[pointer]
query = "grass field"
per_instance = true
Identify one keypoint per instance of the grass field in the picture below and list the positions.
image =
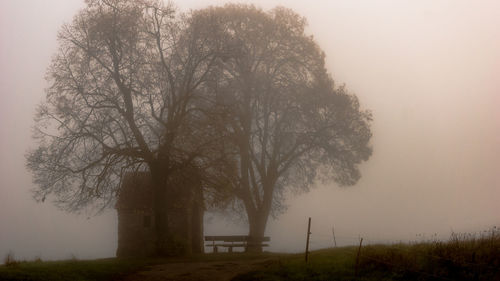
(102, 269)
(463, 257)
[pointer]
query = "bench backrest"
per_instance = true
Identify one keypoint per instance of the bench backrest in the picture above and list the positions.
(233, 238)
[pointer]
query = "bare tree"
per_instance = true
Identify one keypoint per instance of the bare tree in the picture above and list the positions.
(286, 123)
(123, 85)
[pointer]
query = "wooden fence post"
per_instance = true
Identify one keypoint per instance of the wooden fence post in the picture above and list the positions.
(307, 242)
(334, 241)
(357, 258)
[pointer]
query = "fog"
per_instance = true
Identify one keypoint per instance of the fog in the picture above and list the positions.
(428, 70)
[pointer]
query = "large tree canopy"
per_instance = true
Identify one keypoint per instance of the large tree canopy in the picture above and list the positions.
(288, 124)
(121, 96)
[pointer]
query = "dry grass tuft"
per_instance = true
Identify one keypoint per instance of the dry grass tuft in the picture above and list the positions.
(10, 260)
(464, 256)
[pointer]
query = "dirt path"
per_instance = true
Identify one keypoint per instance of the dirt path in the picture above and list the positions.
(202, 271)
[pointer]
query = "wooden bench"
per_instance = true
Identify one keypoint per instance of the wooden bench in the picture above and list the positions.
(230, 241)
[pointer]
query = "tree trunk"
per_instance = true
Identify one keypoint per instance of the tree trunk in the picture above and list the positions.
(160, 208)
(257, 219)
(197, 242)
(257, 227)
(177, 195)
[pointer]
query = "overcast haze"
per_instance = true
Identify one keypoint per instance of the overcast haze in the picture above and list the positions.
(428, 70)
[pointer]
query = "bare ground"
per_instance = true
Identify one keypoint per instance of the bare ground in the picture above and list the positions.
(202, 271)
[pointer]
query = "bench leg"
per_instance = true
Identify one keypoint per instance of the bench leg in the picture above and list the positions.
(230, 250)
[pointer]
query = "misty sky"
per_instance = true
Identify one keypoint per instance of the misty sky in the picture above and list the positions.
(428, 70)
